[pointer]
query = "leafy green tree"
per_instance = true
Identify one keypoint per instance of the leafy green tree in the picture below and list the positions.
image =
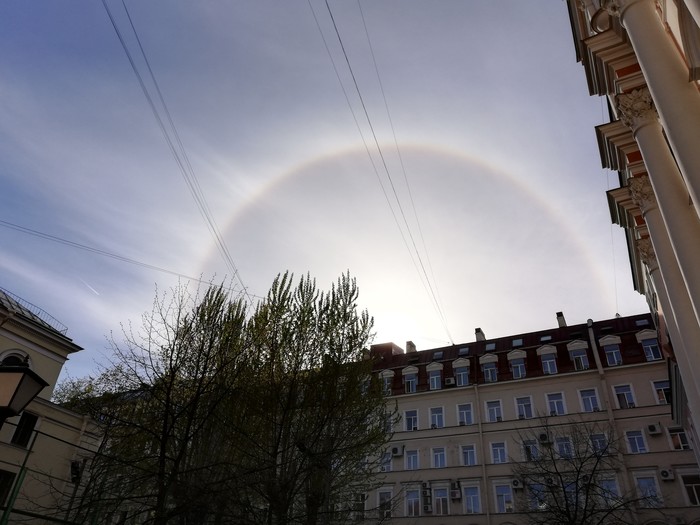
(213, 414)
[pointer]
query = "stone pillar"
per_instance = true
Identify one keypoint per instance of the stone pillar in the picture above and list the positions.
(675, 97)
(681, 221)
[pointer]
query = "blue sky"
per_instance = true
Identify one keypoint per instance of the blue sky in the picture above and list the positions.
(490, 111)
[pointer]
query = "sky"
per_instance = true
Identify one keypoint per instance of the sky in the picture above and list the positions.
(467, 160)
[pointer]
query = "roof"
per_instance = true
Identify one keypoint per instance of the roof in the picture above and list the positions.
(17, 305)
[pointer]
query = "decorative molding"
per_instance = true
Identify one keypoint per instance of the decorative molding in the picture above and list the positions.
(636, 108)
(642, 193)
(646, 253)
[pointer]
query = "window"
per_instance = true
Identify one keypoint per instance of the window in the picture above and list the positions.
(679, 440)
(462, 376)
(7, 479)
(472, 502)
(24, 429)
(440, 502)
(412, 460)
(589, 400)
(635, 442)
(498, 452)
(517, 342)
(437, 418)
(523, 407)
(537, 496)
(386, 385)
(385, 462)
(649, 490)
(580, 359)
(356, 508)
(412, 503)
(439, 460)
(555, 404)
(623, 394)
(464, 414)
(662, 389)
(437, 355)
(545, 338)
(599, 443)
(435, 377)
(464, 351)
(410, 382)
(530, 450)
(384, 504)
(411, 419)
(490, 372)
(609, 491)
(651, 349)
(549, 363)
(641, 322)
(612, 354)
(517, 367)
(468, 455)
(564, 447)
(493, 410)
(691, 484)
(504, 498)
(490, 347)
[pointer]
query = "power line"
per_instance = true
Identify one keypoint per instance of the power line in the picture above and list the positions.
(179, 153)
(422, 269)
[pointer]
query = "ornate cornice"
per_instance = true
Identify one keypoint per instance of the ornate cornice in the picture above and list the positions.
(647, 254)
(642, 193)
(636, 108)
(617, 7)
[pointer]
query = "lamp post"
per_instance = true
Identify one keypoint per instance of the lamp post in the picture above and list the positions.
(18, 386)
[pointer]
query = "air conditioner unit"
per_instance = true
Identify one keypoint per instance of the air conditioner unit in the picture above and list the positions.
(544, 438)
(428, 508)
(383, 469)
(397, 451)
(426, 493)
(456, 494)
(449, 381)
(425, 484)
(433, 426)
(654, 429)
(454, 485)
(516, 484)
(549, 481)
(667, 474)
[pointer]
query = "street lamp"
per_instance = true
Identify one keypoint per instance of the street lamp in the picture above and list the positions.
(18, 386)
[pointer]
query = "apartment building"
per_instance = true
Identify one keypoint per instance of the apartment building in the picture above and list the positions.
(470, 418)
(643, 56)
(42, 450)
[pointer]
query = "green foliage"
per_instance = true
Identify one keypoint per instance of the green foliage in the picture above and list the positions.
(216, 415)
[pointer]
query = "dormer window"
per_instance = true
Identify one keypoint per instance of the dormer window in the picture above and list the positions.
(490, 372)
(435, 378)
(580, 359)
(490, 347)
(464, 351)
(517, 342)
(437, 355)
(410, 382)
(651, 349)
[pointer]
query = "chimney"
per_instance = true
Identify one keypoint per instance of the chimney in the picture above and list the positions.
(410, 346)
(480, 335)
(560, 320)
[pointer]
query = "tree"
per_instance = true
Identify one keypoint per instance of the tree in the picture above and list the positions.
(216, 415)
(568, 476)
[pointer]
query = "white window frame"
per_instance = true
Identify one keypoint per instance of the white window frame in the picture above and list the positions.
(411, 383)
(657, 490)
(506, 497)
(584, 408)
(564, 443)
(629, 404)
(650, 346)
(437, 452)
(549, 364)
(529, 412)
(497, 414)
(579, 356)
(490, 372)
(665, 390)
(410, 455)
(406, 420)
(469, 412)
(437, 417)
(473, 509)
(639, 438)
(682, 441)
(613, 350)
(435, 379)
(469, 451)
(445, 498)
(384, 505)
(504, 456)
(418, 502)
(462, 376)
(531, 450)
(549, 404)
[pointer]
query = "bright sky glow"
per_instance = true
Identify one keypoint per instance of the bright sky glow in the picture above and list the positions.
(491, 115)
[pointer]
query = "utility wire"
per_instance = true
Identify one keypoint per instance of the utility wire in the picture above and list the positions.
(438, 301)
(179, 153)
(388, 174)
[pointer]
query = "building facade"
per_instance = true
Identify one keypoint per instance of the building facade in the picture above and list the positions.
(472, 419)
(43, 450)
(644, 57)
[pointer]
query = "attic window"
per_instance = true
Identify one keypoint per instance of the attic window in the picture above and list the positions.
(517, 342)
(464, 350)
(490, 346)
(545, 338)
(642, 322)
(437, 355)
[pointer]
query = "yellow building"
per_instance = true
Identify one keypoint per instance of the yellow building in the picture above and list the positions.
(644, 56)
(51, 442)
(472, 419)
